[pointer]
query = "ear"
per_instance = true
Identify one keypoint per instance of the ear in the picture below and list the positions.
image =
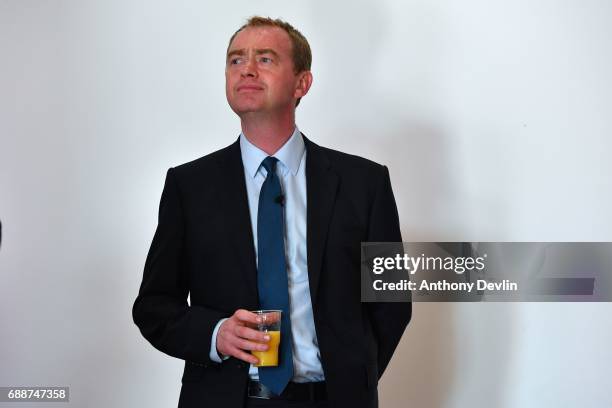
(303, 84)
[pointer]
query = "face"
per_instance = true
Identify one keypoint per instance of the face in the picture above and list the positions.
(259, 72)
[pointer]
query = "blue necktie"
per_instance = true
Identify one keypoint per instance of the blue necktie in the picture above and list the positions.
(272, 273)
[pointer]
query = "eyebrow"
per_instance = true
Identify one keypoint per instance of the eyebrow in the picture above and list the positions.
(258, 51)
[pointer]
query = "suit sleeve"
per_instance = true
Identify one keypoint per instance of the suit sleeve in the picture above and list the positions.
(388, 319)
(161, 311)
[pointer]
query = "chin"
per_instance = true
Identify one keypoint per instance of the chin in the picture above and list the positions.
(246, 106)
(241, 109)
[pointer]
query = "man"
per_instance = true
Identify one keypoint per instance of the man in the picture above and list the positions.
(271, 220)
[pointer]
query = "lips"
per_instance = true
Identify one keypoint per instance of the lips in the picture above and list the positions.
(249, 88)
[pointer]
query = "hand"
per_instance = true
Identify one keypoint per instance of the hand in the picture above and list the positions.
(234, 337)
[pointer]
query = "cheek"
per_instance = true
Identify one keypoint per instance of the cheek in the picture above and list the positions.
(230, 77)
(230, 84)
(228, 92)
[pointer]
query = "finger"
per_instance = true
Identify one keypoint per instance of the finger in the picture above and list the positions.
(251, 334)
(247, 317)
(244, 356)
(250, 345)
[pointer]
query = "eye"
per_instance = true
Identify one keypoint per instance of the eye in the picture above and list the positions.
(235, 61)
(266, 60)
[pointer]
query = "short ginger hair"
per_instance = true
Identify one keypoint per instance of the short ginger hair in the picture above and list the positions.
(302, 56)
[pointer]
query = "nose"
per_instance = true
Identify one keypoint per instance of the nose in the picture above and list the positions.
(249, 69)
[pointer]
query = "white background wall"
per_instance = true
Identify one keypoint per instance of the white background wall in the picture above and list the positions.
(494, 118)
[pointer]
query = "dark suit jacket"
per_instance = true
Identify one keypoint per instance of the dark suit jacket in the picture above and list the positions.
(204, 247)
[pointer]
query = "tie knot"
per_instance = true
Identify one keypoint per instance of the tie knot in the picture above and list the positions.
(269, 164)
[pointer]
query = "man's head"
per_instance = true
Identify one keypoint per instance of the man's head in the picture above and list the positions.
(267, 67)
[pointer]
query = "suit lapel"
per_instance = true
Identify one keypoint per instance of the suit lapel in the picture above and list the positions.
(239, 220)
(321, 189)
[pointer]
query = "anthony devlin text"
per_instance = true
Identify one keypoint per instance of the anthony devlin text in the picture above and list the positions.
(444, 285)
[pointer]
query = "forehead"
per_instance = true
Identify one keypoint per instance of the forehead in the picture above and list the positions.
(262, 37)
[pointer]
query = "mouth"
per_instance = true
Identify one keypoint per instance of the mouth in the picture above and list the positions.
(249, 88)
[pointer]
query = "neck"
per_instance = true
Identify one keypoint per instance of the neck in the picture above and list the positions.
(268, 134)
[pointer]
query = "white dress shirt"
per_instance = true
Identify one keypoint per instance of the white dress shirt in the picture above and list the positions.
(291, 170)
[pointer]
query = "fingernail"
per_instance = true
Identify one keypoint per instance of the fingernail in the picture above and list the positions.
(266, 338)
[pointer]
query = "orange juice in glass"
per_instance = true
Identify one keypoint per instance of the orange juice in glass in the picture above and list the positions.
(271, 325)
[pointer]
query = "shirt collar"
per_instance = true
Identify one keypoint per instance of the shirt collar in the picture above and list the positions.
(289, 155)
